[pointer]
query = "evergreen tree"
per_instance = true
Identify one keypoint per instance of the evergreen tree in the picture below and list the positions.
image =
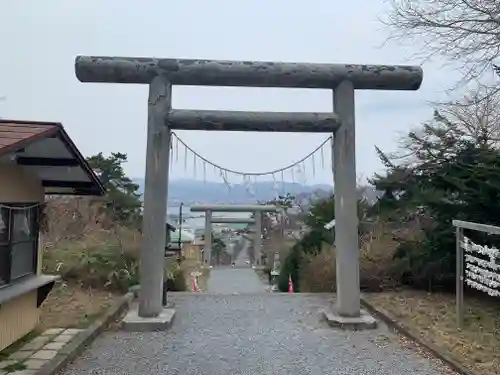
(450, 170)
(124, 204)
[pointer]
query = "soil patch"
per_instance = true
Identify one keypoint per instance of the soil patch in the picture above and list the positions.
(71, 306)
(476, 345)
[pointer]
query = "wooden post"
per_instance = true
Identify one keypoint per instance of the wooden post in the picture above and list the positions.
(155, 199)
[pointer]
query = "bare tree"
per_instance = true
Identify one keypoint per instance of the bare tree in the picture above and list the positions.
(474, 118)
(462, 31)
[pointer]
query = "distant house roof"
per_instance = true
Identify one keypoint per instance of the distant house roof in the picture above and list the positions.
(45, 149)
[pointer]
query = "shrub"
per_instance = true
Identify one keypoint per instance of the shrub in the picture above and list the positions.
(318, 271)
(91, 250)
(176, 282)
(290, 267)
(98, 260)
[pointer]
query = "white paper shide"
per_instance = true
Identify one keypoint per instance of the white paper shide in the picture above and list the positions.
(482, 272)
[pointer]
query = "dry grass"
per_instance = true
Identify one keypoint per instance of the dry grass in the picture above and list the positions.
(95, 258)
(476, 346)
(100, 259)
(84, 247)
(70, 305)
(318, 273)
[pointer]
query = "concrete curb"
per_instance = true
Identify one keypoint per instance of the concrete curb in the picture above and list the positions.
(392, 322)
(83, 339)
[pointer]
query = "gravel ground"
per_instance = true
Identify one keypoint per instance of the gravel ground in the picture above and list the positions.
(228, 280)
(239, 280)
(250, 334)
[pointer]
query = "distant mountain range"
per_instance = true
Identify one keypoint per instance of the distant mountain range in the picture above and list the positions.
(193, 191)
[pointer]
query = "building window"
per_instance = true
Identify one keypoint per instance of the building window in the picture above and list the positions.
(18, 240)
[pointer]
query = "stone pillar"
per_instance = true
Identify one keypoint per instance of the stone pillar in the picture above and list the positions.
(276, 261)
(208, 237)
(346, 200)
(257, 243)
(155, 199)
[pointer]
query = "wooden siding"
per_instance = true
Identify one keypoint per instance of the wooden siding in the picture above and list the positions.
(18, 317)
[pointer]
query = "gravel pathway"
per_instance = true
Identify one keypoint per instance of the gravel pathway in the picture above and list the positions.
(239, 280)
(228, 280)
(265, 334)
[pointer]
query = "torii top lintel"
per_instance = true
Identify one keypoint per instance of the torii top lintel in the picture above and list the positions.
(247, 73)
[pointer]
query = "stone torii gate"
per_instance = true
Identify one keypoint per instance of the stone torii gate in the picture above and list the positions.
(258, 210)
(161, 74)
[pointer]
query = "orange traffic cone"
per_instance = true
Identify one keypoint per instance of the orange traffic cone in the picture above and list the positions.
(290, 284)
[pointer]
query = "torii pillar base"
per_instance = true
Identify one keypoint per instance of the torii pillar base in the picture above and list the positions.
(357, 323)
(132, 322)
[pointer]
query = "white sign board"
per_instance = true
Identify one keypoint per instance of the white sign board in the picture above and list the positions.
(482, 267)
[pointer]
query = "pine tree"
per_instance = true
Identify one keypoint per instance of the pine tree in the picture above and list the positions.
(124, 204)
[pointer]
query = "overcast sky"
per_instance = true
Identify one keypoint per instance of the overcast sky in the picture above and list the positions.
(40, 40)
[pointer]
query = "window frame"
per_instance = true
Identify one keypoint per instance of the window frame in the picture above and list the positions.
(6, 248)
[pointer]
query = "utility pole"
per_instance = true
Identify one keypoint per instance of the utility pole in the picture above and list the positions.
(180, 222)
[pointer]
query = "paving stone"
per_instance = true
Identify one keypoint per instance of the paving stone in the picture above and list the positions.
(54, 346)
(20, 355)
(53, 331)
(44, 354)
(72, 331)
(63, 338)
(36, 343)
(23, 372)
(7, 362)
(34, 364)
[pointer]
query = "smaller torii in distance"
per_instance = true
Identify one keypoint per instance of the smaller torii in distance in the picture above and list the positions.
(232, 220)
(257, 209)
